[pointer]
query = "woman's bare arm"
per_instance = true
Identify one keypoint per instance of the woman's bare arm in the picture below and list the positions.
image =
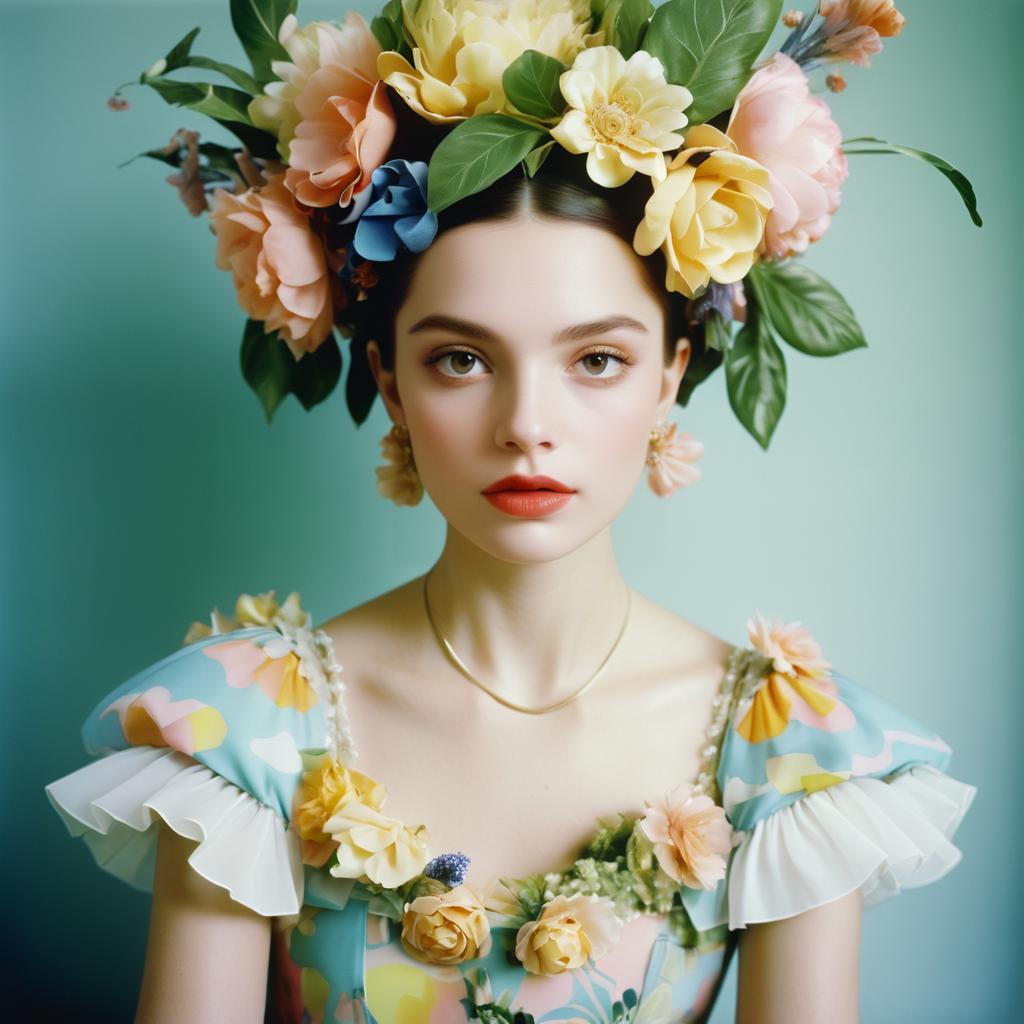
(802, 969)
(207, 956)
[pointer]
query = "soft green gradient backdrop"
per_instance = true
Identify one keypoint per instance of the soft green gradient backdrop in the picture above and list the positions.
(142, 484)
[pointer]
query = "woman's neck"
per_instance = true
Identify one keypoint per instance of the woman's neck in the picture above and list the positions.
(532, 633)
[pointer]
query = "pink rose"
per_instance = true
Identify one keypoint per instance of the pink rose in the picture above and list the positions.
(346, 124)
(779, 124)
(691, 837)
(279, 265)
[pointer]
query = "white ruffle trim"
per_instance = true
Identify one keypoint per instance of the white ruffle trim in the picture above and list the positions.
(244, 845)
(862, 833)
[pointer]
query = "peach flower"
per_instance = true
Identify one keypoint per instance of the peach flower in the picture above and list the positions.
(279, 266)
(346, 124)
(777, 122)
(569, 931)
(853, 28)
(793, 650)
(691, 837)
(324, 790)
(398, 478)
(670, 459)
(446, 928)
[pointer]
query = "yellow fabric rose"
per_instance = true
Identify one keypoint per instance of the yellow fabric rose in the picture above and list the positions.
(461, 49)
(375, 847)
(447, 928)
(708, 214)
(569, 931)
(624, 114)
(323, 792)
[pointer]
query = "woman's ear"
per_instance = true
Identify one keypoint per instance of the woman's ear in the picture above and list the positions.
(672, 377)
(387, 383)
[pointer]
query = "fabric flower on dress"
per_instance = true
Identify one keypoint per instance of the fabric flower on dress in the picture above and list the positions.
(853, 28)
(692, 837)
(624, 114)
(373, 846)
(324, 790)
(278, 263)
(799, 687)
(397, 215)
(569, 931)
(670, 459)
(461, 49)
(778, 123)
(708, 213)
(346, 123)
(447, 928)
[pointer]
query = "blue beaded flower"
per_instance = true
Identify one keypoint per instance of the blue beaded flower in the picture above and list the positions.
(449, 868)
(397, 213)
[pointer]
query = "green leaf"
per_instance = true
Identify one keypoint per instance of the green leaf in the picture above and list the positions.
(220, 102)
(388, 28)
(536, 157)
(316, 374)
(710, 47)
(704, 360)
(256, 23)
(805, 309)
(716, 332)
(624, 23)
(755, 375)
(360, 387)
(475, 154)
(959, 180)
(531, 83)
(266, 366)
(179, 56)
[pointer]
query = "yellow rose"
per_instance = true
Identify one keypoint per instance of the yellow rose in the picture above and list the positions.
(461, 49)
(623, 114)
(569, 931)
(447, 928)
(708, 214)
(375, 847)
(323, 792)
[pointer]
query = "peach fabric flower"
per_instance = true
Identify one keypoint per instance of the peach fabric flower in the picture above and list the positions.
(793, 650)
(707, 214)
(569, 931)
(777, 122)
(446, 928)
(691, 837)
(324, 790)
(670, 459)
(398, 478)
(279, 267)
(346, 124)
(853, 28)
(374, 846)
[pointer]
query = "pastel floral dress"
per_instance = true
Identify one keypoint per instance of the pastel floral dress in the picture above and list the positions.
(811, 786)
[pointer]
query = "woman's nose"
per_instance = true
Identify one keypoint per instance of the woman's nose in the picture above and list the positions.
(528, 411)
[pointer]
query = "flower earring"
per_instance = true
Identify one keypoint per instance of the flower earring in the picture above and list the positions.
(398, 480)
(670, 459)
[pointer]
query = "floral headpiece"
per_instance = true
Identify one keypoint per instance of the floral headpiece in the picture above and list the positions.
(354, 137)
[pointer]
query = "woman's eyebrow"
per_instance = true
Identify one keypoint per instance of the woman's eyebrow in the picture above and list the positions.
(470, 329)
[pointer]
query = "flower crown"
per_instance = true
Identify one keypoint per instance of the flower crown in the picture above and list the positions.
(354, 137)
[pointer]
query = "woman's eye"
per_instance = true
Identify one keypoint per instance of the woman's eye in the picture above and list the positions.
(460, 363)
(595, 363)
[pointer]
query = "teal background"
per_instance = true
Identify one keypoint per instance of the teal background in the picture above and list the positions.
(142, 485)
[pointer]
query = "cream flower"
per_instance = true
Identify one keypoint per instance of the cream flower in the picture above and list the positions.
(278, 264)
(446, 928)
(776, 122)
(324, 791)
(461, 49)
(708, 214)
(793, 650)
(310, 47)
(376, 847)
(670, 458)
(691, 837)
(624, 114)
(252, 610)
(570, 930)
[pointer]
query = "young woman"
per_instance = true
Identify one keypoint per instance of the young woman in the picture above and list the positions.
(508, 698)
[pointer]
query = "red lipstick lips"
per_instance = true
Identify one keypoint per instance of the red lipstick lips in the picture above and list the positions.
(528, 497)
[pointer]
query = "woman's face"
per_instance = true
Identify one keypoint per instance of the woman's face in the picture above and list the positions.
(529, 347)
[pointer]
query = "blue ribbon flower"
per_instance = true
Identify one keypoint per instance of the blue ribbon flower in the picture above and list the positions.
(397, 213)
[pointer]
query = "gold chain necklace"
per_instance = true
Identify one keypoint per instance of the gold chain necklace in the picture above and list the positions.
(457, 662)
